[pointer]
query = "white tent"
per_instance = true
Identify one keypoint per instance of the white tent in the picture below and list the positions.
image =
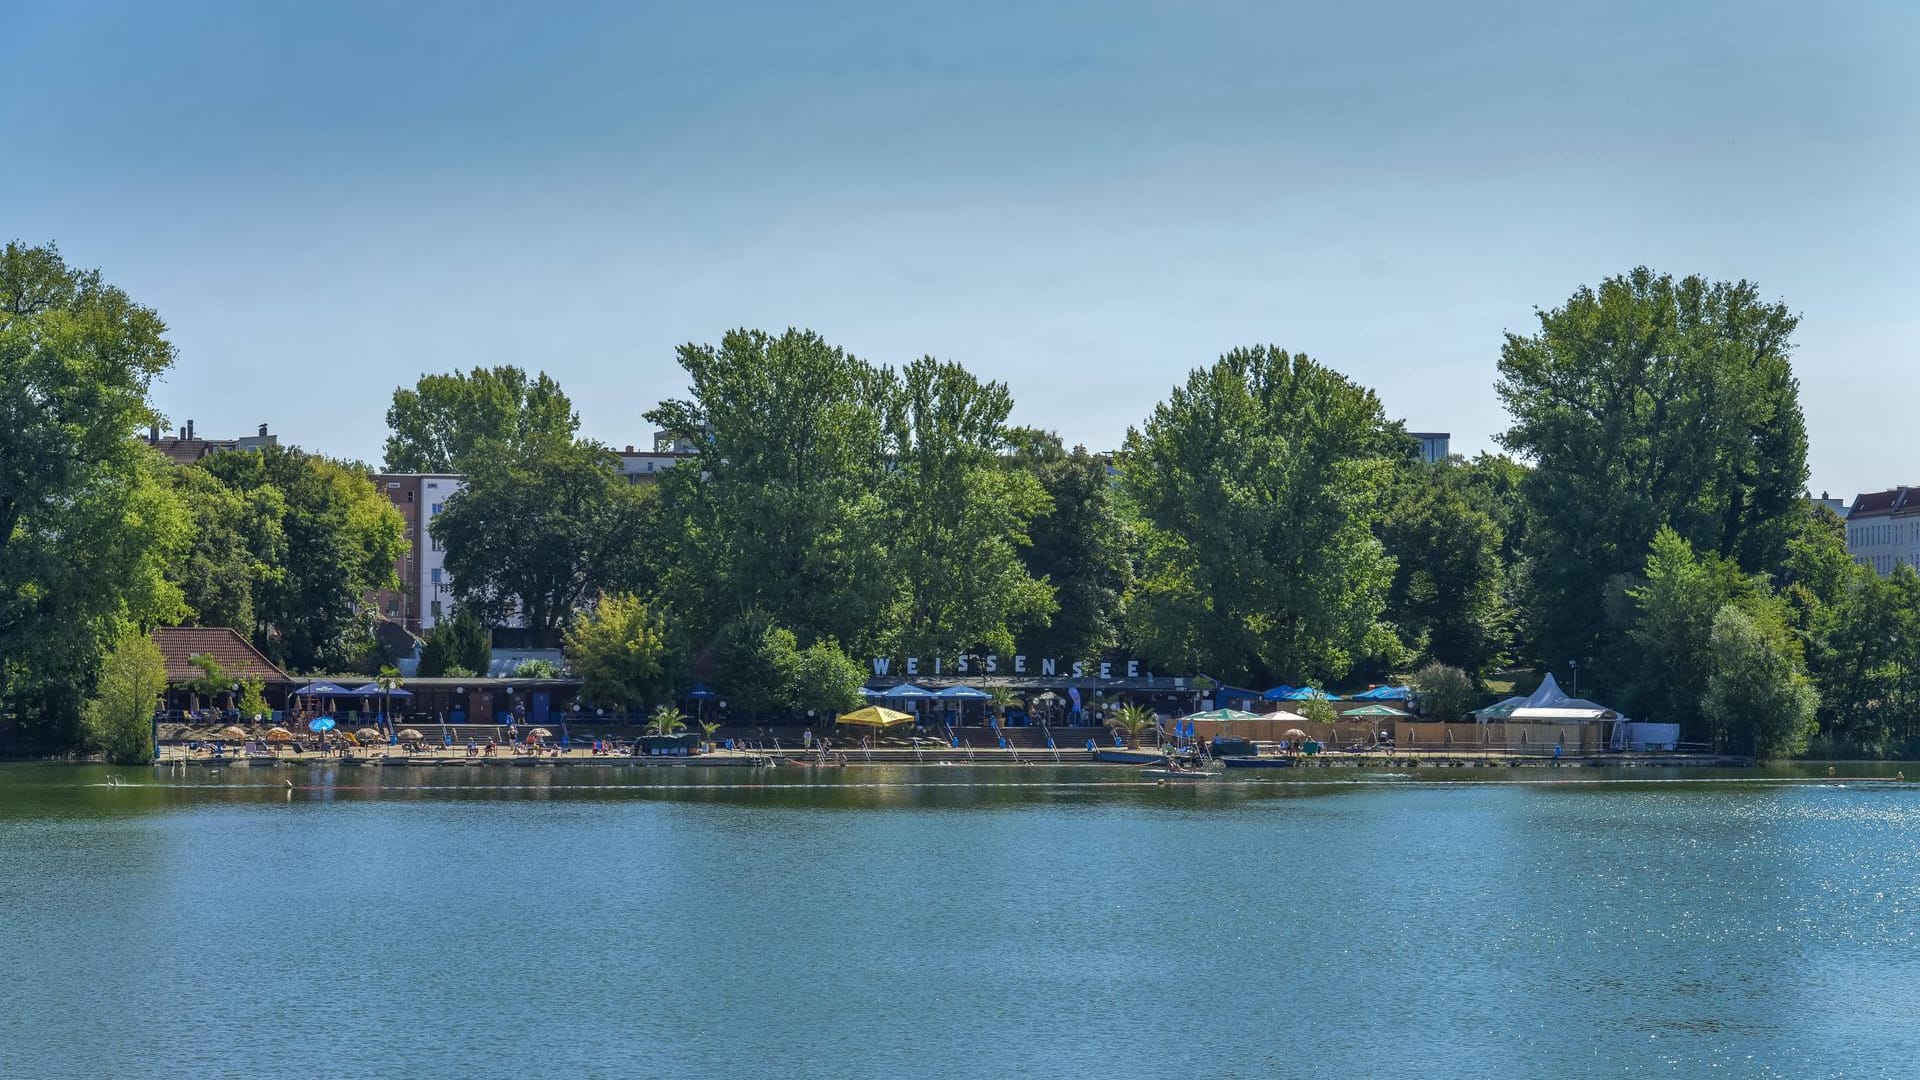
(1550, 705)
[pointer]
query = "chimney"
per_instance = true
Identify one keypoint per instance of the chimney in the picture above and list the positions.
(153, 434)
(263, 431)
(189, 429)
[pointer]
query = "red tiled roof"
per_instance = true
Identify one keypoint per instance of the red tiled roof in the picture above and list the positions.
(180, 644)
(1900, 500)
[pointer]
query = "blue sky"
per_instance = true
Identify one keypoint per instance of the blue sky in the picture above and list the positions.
(1082, 199)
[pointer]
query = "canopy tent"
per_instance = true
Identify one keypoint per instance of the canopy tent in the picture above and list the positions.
(906, 692)
(963, 693)
(374, 690)
(1283, 715)
(322, 688)
(1385, 693)
(871, 694)
(1308, 693)
(1550, 704)
(1499, 709)
(1374, 710)
(1278, 693)
(699, 693)
(874, 716)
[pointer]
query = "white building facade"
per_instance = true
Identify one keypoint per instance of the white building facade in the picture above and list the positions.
(1883, 529)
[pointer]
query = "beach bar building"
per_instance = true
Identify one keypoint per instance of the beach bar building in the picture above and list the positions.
(180, 645)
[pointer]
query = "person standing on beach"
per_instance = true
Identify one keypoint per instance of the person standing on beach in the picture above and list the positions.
(806, 738)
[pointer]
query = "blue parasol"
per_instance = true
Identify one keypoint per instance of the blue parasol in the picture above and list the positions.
(319, 724)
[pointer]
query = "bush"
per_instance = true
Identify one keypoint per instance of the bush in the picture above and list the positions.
(1445, 692)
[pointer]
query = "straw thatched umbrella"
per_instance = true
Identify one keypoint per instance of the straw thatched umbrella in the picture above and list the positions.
(231, 732)
(411, 734)
(366, 734)
(279, 734)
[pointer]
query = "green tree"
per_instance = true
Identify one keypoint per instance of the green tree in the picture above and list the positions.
(1082, 546)
(119, 716)
(1757, 698)
(535, 668)
(236, 549)
(1448, 597)
(457, 646)
(783, 514)
(1674, 610)
(1445, 692)
(1866, 658)
(214, 680)
(338, 537)
(956, 518)
(88, 526)
(1319, 709)
(447, 423)
(253, 697)
(1260, 482)
(621, 651)
(1649, 403)
(826, 680)
(532, 535)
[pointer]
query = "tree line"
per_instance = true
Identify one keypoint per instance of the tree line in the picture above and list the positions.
(1265, 523)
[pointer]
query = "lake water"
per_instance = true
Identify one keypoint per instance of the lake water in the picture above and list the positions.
(955, 922)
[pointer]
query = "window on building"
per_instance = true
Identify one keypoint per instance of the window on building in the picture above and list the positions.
(393, 608)
(436, 609)
(436, 575)
(435, 543)
(434, 509)
(409, 496)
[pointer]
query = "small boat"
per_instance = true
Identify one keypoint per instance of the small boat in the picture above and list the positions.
(1178, 774)
(1258, 762)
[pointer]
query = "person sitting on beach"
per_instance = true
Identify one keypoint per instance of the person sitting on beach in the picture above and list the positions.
(472, 750)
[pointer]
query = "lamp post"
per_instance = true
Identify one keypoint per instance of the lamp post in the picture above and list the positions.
(1573, 667)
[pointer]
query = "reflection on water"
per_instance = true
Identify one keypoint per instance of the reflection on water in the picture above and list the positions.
(956, 921)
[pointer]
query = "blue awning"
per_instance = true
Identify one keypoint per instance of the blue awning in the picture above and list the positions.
(373, 690)
(906, 692)
(322, 688)
(700, 692)
(1307, 693)
(1385, 693)
(1278, 693)
(963, 693)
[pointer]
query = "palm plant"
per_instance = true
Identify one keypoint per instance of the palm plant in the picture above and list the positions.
(666, 720)
(707, 728)
(1133, 719)
(998, 698)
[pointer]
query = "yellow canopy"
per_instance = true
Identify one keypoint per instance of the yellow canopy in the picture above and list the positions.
(875, 717)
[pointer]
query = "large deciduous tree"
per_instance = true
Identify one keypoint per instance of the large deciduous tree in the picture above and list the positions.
(88, 524)
(782, 514)
(1260, 481)
(446, 422)
(1649, 402)
(1448, 599)
(535, 532)
(956, 518)
(1757, 699)
(338, 536)
(1082, 546)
